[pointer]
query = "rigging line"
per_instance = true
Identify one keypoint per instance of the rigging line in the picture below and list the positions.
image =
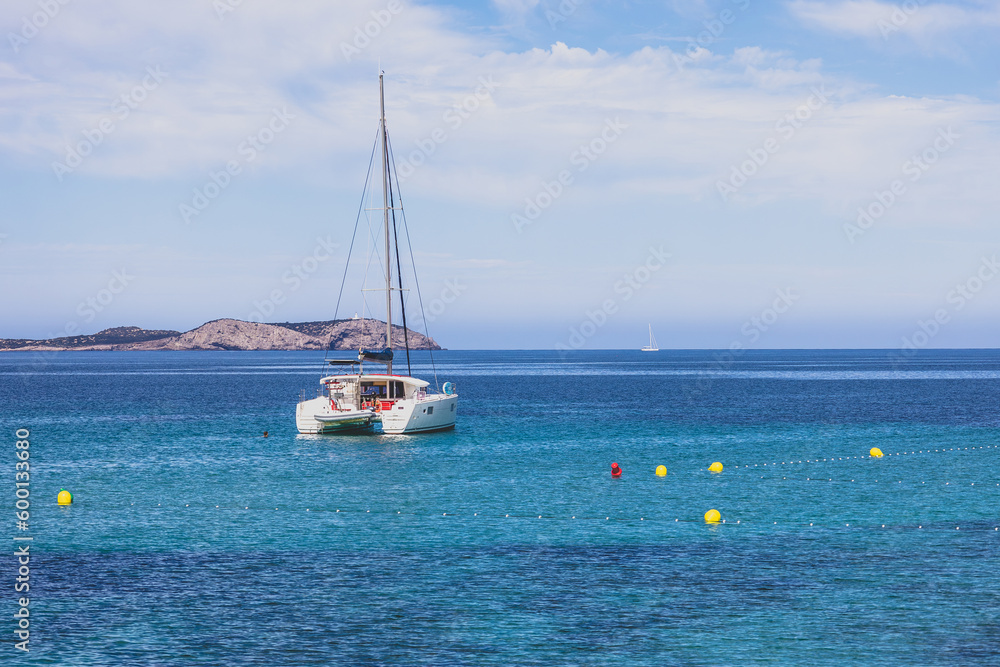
(399, 269)
(416, 281)
(373, 241)
(371, 238)
(347, 264)
(369, 254)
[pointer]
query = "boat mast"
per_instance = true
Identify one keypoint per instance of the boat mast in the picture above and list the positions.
(385, 223)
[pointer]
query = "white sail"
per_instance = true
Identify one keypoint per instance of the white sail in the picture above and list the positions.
(652, 342)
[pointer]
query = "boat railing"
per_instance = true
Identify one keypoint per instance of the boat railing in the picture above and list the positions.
(302, 394)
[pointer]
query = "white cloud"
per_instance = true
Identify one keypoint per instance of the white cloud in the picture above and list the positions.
(921, 22)
(225, 77)
(689, 121)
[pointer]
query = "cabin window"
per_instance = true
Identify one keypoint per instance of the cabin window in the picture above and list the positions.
(369, 389)
(452, 407)
(430, 409)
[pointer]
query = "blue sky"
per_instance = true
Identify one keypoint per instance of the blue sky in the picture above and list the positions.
(797, 173)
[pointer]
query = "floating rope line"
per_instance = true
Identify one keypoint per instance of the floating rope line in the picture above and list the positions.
(652, 520)
(644, 519)
(861, 457)
(868, 481)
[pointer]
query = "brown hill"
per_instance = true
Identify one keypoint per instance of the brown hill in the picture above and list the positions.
(229, 334)
(361, 333)
(115, 336)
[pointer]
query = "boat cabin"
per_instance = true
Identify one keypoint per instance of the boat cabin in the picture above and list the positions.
(372, 391)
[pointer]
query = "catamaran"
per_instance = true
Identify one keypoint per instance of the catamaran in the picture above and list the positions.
(358, 400)
(652, 342)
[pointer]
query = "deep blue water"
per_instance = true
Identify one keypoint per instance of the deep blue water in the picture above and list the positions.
(193, 540)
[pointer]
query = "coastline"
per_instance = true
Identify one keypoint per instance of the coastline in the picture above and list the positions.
(230, 334)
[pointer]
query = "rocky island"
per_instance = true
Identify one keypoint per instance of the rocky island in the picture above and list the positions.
(229, 334)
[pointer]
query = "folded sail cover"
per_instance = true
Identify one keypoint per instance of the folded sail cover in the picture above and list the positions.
(377, 355)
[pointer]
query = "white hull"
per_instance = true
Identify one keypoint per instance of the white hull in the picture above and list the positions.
(435, 412)
(358, 402)
(319, 416)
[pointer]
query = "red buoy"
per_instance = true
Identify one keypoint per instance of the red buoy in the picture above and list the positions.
(615, 470)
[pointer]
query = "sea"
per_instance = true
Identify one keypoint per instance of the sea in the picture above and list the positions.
(192, 539)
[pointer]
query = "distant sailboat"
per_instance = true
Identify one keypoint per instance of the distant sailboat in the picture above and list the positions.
(652, 342)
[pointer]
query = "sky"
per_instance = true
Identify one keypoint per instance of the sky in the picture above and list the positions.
(734, 173)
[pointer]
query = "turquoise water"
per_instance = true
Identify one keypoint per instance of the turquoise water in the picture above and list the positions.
(194, 540)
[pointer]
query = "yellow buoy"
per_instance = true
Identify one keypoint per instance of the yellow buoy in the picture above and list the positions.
(661, 471)
(64, 497)
(712, 516)
(715, 467)
(876, 452)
